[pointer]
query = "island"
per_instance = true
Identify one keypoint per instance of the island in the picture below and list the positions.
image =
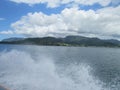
(66, 41)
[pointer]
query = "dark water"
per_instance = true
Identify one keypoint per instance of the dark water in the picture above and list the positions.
(59, 68)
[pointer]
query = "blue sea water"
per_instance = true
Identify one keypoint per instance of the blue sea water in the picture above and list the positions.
(30, 67)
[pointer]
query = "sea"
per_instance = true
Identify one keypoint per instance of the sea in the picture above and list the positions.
(31, 67)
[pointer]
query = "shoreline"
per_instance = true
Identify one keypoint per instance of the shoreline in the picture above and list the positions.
(61, 45)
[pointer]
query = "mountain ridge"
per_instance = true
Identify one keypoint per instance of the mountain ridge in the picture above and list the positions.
(66, 41)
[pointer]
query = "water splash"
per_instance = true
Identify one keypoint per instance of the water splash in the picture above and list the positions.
(20, 71)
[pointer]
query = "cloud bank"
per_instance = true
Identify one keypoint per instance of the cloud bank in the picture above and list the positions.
(56, 3)
(71, 21)
(102, 23)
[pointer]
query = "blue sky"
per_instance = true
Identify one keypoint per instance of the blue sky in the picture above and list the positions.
(12, 11)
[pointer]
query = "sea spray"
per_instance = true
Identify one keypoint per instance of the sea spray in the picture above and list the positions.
(19, 71)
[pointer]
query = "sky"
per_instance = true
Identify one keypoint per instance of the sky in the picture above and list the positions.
(60, 18)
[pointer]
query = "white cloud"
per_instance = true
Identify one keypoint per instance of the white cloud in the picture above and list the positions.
(71, 21)
(2, 19)
(6, 32)
(56, 3)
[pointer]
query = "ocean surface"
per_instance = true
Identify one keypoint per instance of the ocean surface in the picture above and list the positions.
(30, 67)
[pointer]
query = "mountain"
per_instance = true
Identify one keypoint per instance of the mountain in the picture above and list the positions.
(113, 41)
(12, 39)
(67, 41)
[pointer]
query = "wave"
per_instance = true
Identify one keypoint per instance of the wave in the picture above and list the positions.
(20, 71)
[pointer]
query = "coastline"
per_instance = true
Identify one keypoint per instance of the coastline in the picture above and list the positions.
(60, 45)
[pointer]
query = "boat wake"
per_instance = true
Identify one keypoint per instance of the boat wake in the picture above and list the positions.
(20, 71)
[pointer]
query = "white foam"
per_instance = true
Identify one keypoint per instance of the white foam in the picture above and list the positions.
(19, 71)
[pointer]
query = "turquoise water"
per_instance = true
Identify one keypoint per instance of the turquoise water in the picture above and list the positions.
(59, 68)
